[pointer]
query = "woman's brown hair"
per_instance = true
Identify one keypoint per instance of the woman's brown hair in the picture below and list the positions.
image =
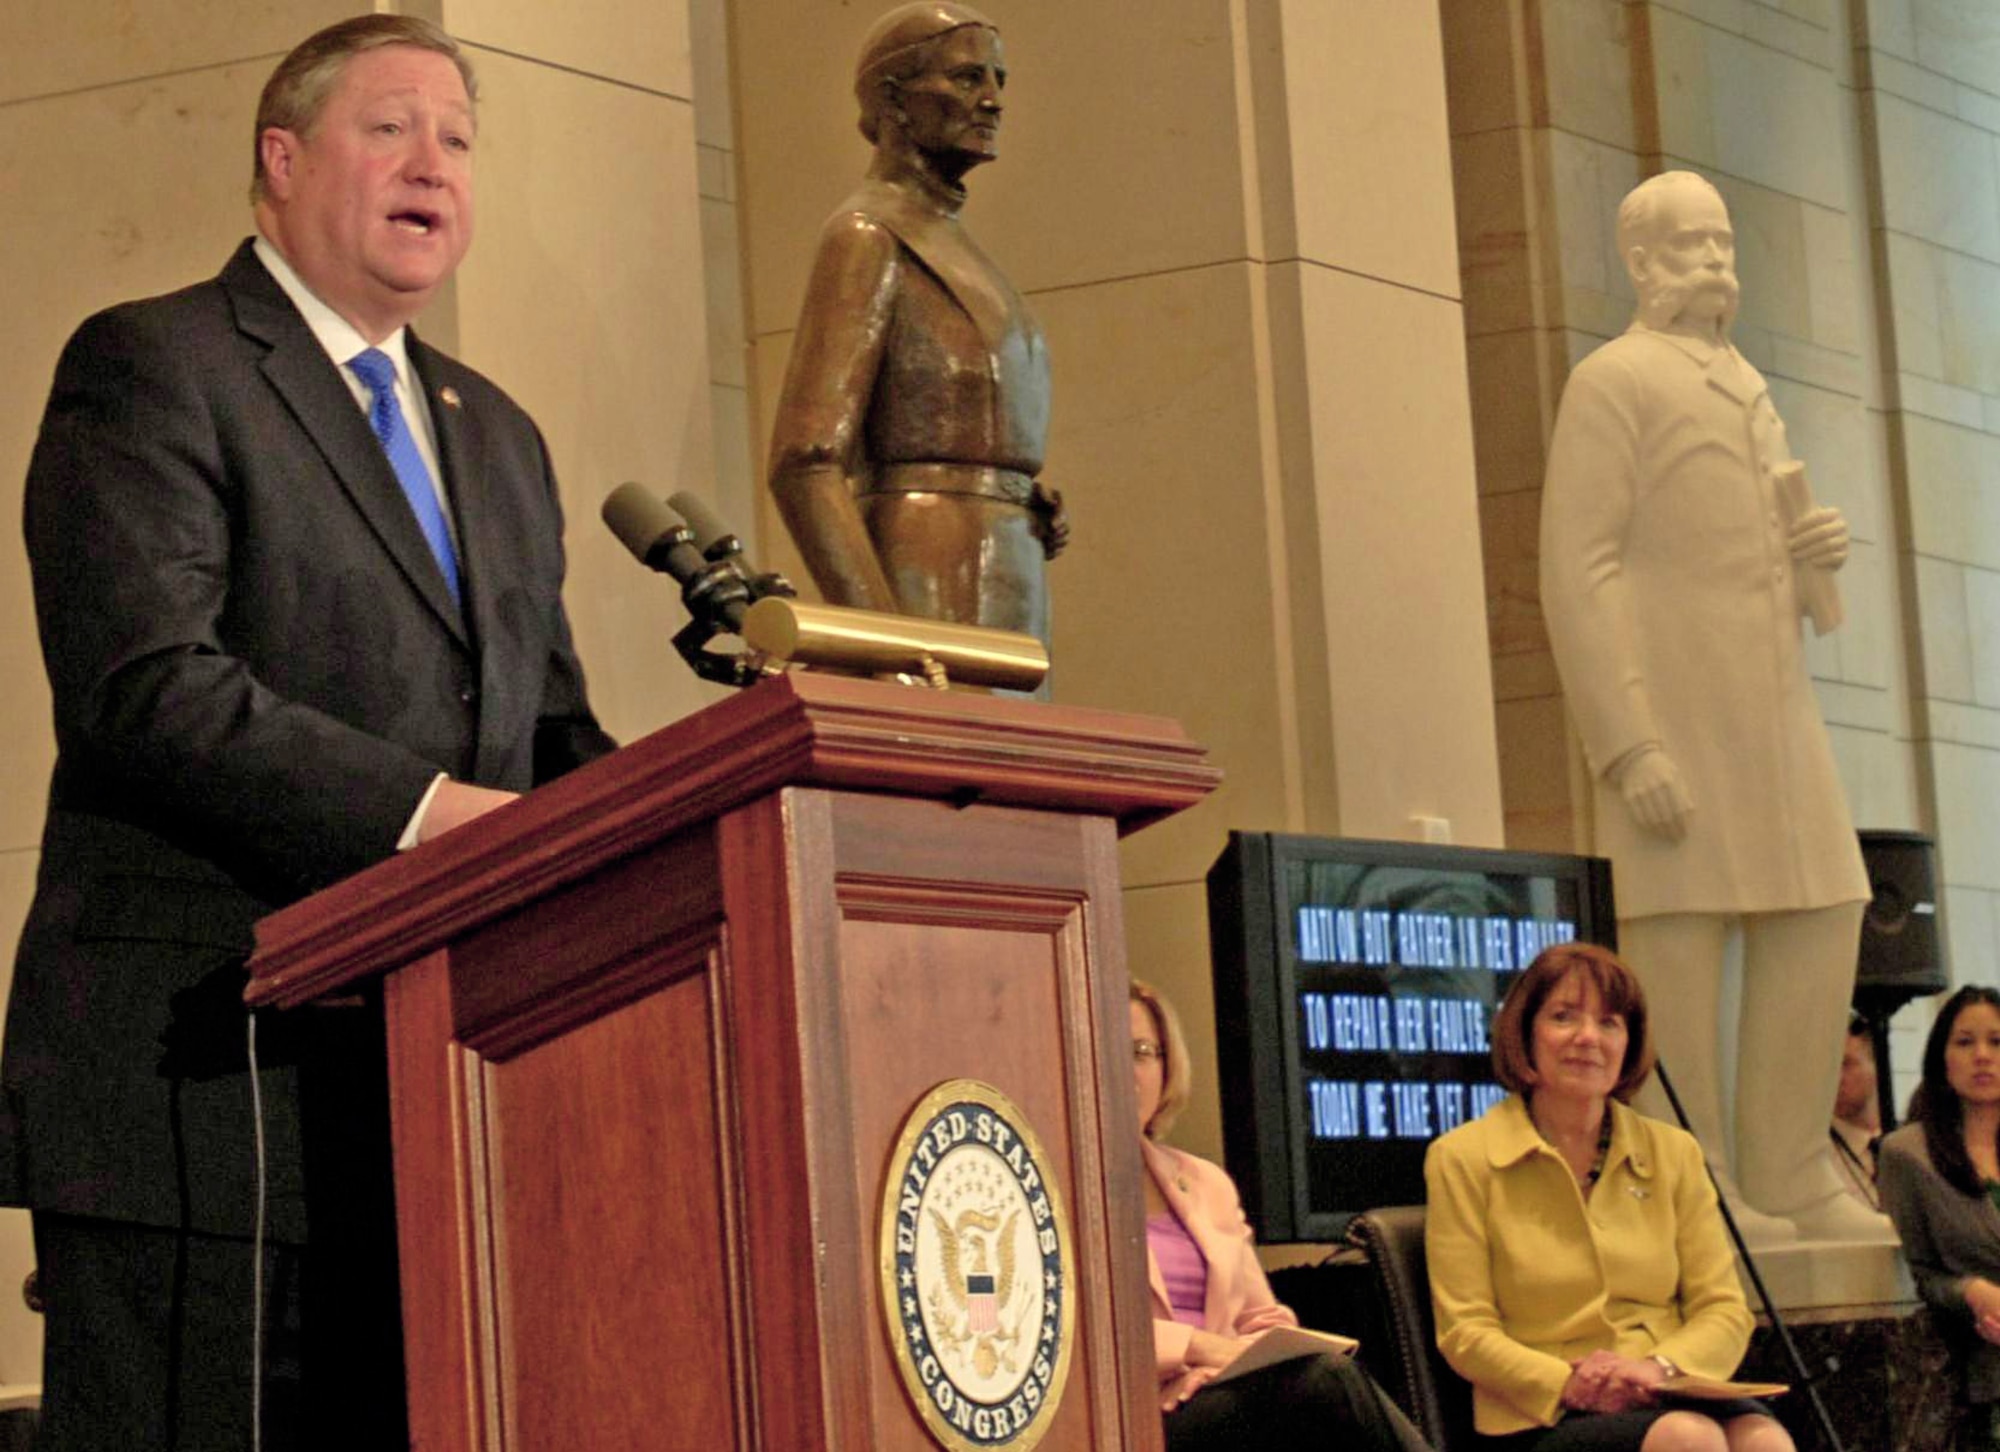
(1616, 984)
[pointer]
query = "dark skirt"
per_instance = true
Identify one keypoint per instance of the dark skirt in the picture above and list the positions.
(1313, 1401)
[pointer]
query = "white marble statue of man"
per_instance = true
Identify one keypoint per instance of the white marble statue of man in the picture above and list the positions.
(1671, 581)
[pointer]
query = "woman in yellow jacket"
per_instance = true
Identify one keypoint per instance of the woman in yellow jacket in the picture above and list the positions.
(1577, 1257)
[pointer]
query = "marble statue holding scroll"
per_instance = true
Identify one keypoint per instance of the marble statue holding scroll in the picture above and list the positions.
(1680, 553)
(916, 403)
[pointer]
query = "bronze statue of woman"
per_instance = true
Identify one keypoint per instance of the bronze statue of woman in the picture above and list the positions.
(916, 404)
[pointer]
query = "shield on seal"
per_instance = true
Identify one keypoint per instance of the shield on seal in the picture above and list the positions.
(981, 1305)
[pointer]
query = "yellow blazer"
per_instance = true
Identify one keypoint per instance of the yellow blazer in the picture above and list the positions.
(1527, 1279)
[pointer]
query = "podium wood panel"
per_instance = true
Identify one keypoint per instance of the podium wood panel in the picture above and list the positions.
(654, 1031)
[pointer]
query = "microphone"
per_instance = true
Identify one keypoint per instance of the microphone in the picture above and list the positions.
(711, 536)
(712, 587)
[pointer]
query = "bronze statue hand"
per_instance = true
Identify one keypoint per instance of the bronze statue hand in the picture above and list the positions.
(1052, 518)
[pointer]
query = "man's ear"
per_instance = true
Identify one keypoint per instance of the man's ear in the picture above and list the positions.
(278, 149)
(1635, 263)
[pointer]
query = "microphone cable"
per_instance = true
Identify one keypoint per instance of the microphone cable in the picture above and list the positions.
(257, 1251)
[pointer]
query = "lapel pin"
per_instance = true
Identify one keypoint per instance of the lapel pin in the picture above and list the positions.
(450, 397)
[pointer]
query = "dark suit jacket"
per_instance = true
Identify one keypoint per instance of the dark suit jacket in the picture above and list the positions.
(257, 671)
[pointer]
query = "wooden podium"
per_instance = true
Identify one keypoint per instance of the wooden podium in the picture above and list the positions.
(654, 1031)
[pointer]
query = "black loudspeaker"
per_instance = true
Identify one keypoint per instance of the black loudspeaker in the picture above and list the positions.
(1902, 941)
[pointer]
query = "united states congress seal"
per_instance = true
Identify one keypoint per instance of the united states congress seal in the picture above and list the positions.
(976, 1270)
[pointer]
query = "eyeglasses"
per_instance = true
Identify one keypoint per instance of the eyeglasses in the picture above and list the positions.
(1144, 1049)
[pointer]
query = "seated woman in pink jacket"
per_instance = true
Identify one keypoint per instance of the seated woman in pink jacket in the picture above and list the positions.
(1210, 1297)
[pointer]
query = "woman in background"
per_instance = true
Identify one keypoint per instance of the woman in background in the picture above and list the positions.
(1211, 1299)
(1577, 1257)
(1940, 1181)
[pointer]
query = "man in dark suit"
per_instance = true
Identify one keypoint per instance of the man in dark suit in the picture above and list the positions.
(297, 578)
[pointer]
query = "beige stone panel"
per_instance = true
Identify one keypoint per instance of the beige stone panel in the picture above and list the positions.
(1833, 281)
(1982, 617)
(1944, 631)
(1157, 446)
(714, 169)
(1969, 321)
(1978, 107)
(48, 47)
(1867, 638)
(1961, 39)
(1588, 180)
(1600, 315)
(1796, 36)
(1914, 83)
(1830, 432)
(1972, 935)
(1940, 402)
(1939, 181)
(599, 332)
(641, 44)
(1166, 944)
(737, 480)
(1681, 81)
(1725, 15)
(1791, 357)
(1587, 50)
(1770, 259)
(1480, 66)
(1966, 725)
(1859, 708)
(1399, 550)
(1510, 409)
(74, 244)
(20, 1328)
(1878, 773)
(1522, 676)
(708, 55)
(722, 288)
(1968, 784)
(1823, 13)
(1534, 757)
(1913, 293)
(1494, 242)
(1775, 117)
(1954, 489)
(1891, 26)
(1158, 186)
(1365, 87)
(1509, 530)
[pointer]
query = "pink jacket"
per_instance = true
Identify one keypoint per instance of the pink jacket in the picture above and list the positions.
(1239, 1299)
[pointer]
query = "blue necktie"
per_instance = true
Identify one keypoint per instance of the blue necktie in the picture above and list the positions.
(386, 415)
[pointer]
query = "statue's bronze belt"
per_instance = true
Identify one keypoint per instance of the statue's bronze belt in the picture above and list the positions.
(1009, 486)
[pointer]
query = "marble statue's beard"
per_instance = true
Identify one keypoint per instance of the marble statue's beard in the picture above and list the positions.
(1663, 300)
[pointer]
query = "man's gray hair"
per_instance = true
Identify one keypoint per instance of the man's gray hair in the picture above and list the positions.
(299, 88)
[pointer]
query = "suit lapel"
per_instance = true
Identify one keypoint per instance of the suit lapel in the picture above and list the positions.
(312, 388)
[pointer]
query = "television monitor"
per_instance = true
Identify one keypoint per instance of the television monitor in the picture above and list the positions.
(1354, 983)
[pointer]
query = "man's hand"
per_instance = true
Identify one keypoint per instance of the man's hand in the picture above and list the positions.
(456, 803)
(1651, 786)
(1820, 538)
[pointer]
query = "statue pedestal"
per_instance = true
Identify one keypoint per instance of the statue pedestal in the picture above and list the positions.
(1815, 1274)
